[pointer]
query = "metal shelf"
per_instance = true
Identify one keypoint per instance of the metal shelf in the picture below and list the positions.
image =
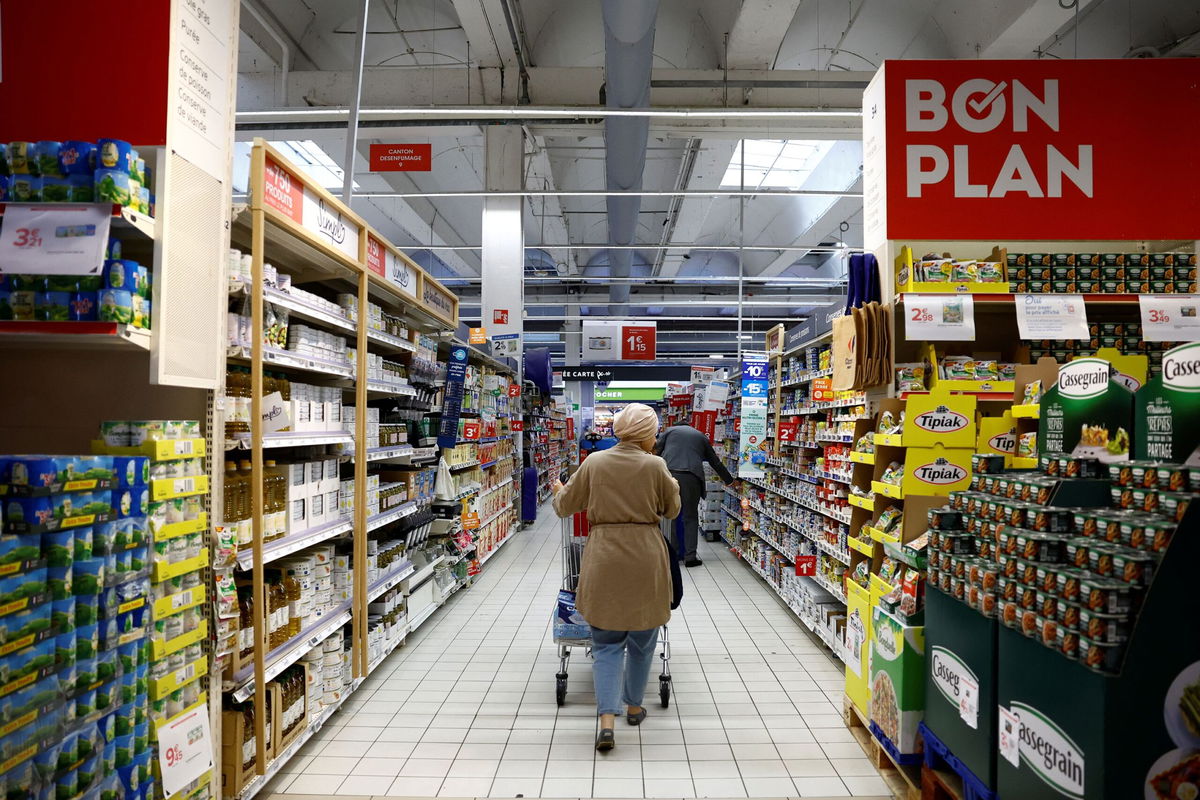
(308, 313)
(290, 360)
(390, 580)
(294, 542)
(395, 342)
(294, 439)
(78, 335)
(391, 389)
(388, 517)
(283, 657)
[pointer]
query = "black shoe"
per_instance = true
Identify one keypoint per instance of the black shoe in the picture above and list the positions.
(693, 562)
(636, 719)
(605, 741)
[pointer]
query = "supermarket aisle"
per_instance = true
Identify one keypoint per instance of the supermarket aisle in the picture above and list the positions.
(466, 708)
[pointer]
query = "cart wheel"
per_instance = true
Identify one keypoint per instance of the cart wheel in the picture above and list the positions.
(664, 692)
(560, 690)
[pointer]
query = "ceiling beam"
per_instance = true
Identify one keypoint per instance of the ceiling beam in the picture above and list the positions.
(707, 171)
(546, 213)
(758, 32)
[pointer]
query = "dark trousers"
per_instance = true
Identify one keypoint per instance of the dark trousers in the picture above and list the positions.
(691, 492)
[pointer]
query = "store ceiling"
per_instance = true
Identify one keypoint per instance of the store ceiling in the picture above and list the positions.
(460, 53)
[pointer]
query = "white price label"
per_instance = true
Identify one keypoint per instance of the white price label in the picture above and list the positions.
(184, 675)
(1009, 741)
(185, 485)
(1051, 316)
(968, 701)
(184, 447)
(185, 750)
(54, 239)
(1170, 318)
(939, 318)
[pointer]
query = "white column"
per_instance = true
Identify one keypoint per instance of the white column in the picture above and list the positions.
(503, 254)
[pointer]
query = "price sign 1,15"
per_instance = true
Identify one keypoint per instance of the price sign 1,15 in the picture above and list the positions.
(638, 342)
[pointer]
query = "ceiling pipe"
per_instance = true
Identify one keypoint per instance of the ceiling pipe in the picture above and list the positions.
(628, 62)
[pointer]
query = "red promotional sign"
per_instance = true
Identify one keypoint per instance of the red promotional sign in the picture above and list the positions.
(376, 257)
(737, 424)
(514, 390)
(806, 566)
(706, 423)
(401, 157)
(638, 342)
(570, 428)
(516, 426)
(470, 430)
(822, 390)
(282, 193)
(500, 316)
(1037, 149)
(788, 429)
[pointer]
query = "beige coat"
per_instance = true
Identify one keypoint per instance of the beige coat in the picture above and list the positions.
(625, 578)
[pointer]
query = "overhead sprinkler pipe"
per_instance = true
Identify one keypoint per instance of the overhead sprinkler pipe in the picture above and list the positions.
(628, 62)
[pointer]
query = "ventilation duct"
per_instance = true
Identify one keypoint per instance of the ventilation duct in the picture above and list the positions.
(628, 60)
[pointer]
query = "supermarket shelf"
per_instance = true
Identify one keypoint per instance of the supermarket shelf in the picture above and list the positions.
(390, 580)
(241, 441)
(295, 542)
(424, 573)
(805, 377)
(844, 519)
(820, 632)
(495, 488)
(307, 312)
(1027, 411)
(391, 389)
(464, 465)
(78, 335)
(829, 587)
(823, 546)
(464, 494)
(846, 439)
(862, 458)
(388, 453)
(417, 620)
(495, 516)
(283, 657)
(284, 358)
(496, 549)
(400, 639)
(733, 514)
(859, 501)
(804, 445)
(395, 342)
(790, 556)
(1010, 299)
(258, 782)
(1005, 397)
(388, 517)
(123, 219)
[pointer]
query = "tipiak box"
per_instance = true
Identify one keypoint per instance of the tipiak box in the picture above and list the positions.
(940, 417)
(897, 702)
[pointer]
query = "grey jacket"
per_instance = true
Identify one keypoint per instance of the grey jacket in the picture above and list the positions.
(685, 449)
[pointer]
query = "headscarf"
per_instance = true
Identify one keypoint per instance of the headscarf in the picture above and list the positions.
(636, 422)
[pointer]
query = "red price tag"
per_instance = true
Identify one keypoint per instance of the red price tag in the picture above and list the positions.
(638, 342)
(788, 430)
(737, 424)
(470, 430)
(822, 390)
(517, 425)
(174, 755)
(922, 315)
(806, 566)
(28, 237)
(514, 390)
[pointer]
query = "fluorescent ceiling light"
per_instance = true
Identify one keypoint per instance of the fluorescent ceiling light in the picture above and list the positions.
(540, 112)
(774, 163)
(716, 355)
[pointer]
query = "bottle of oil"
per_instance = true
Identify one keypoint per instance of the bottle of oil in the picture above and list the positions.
(291, 590)
(246, 621)
(246, 526)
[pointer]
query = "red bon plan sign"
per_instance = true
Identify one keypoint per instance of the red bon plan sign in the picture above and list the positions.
(282, 193)
(470, 430)
(516, 426)
(788, 429)
(638, 342)
(401, 157)
(1033, 149)
(806, 566)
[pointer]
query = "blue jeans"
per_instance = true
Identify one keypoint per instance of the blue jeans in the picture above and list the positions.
(621, 667)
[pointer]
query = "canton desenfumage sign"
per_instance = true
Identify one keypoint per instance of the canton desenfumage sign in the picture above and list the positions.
(401, 157)
(1039, 149)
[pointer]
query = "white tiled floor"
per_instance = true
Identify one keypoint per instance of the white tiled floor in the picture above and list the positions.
(466, 708)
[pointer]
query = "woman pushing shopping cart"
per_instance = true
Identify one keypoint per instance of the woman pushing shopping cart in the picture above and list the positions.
(625, 590)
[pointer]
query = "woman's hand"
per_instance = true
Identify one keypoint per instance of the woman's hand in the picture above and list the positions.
(556, 487)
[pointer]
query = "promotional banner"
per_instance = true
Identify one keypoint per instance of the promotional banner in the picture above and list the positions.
(753, 435)
(997, 150)
(456, 371)
(706, 423)
(619, 341)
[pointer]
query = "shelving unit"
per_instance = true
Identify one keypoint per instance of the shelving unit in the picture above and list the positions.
(358, 356)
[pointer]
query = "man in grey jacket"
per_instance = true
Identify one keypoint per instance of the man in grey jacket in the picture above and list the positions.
(685, 450)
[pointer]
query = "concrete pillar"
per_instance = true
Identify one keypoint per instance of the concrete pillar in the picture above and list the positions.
(503, 255)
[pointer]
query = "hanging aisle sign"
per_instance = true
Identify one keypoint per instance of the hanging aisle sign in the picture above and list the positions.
(753, 431)
(456, 372)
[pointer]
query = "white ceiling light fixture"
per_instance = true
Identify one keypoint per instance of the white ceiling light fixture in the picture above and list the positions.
(537, 112)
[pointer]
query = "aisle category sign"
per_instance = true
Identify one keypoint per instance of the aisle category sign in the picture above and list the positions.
(753, 429)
